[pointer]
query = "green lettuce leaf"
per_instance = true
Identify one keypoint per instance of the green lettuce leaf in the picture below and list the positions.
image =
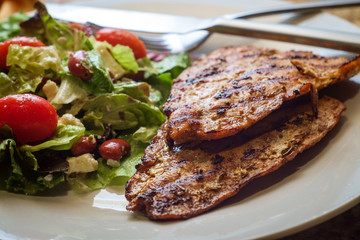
(119, 59)
(10, 27)
(71, 89)
(162, 83)
(125, 57)
(100, 81)
(107, 175)
(173, 64)
(29, 65)
(34, 59)
(64, 137)
(53, 32)
(145, 134)
(21, 175)
(160, 75)
(121, 111)
(137, 90)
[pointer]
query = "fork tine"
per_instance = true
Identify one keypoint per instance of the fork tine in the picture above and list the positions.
(157, 43)
(175, 42)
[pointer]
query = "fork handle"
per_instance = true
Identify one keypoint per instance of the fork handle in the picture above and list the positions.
(298, 7)
(290, 33)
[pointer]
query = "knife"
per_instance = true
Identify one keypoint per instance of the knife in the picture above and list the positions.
(165, 23)
(124, 19)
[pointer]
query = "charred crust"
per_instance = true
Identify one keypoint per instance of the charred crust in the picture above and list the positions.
(221, 111)
(218, 159)
(223, 94)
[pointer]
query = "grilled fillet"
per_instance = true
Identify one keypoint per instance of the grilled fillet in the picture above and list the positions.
(234, 87)
(180, 181)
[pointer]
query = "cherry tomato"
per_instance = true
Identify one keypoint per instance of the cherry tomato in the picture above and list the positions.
(31, 117)
(22, 41)
(79, 65)
(82, 27)
(122, 37)
(114, 149)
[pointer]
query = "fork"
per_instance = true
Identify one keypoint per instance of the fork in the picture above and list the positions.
(174, 42)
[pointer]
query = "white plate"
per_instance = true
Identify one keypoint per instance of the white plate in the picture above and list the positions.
(317, 185)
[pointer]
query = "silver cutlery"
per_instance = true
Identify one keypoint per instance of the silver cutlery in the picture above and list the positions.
(175, 42)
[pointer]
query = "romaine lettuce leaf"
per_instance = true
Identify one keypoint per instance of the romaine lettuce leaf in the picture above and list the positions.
(123, 56)
(29, 65)
(121, 111)
(100, 81)
(137, 90)
(64, 137)
(71, 89)
(34, 59)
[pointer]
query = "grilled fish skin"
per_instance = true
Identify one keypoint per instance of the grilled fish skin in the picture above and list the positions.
(234, 87)
(176, 182)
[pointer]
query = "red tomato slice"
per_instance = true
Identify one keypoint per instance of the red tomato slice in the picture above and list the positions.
(31, 117)
(122, 37)
(22, 41)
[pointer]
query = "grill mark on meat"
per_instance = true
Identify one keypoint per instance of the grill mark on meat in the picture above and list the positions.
(251, 88)
(205, 179)
(281, 73)
(218, 159)
(213, 71)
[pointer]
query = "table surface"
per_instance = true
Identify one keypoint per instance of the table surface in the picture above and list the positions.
(347, 224)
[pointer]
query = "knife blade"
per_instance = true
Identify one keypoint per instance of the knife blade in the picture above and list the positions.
(165, 23)
(125, 19)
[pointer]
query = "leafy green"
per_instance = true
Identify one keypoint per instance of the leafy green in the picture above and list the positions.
(107, 175)
(22, 176)
(121, 111)
(22, 173)
(53, 32)
(160, 75)
(10, 27)
(162, 83)
(116, 57)
(64, 137)
(34, 59)
(100, 81)
(145, 134)
(70, 90)
(173, 64)
(29, 65)
(107, 105)
(137, 90)
(125, 57)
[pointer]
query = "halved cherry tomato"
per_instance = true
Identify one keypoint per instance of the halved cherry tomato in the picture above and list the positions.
(122, 37)
(31, 117)
(22, 41)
